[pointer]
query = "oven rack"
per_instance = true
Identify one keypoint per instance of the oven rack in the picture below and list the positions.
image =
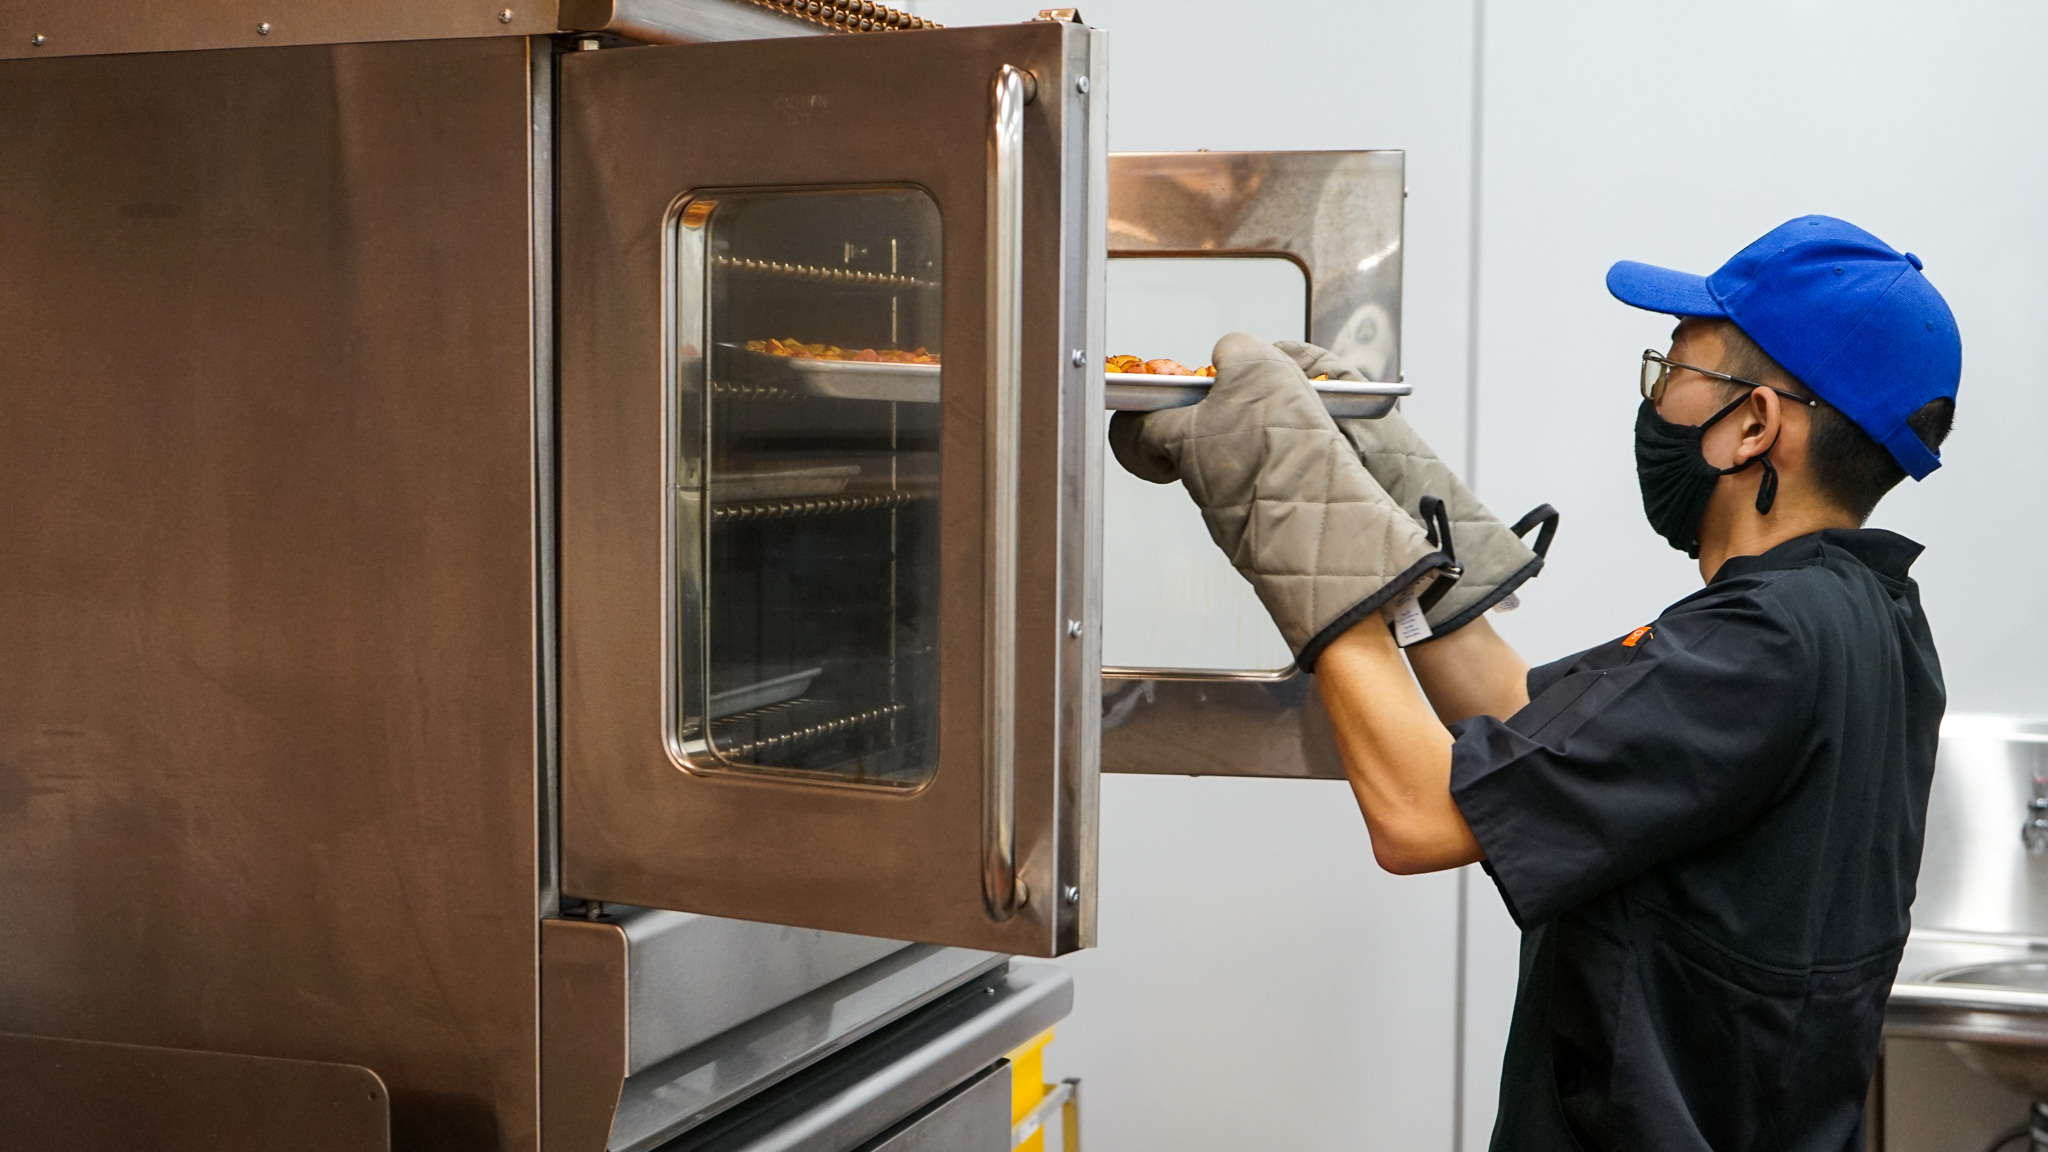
(783, 740)
(820, 274)
(791, 506)
(731, 391)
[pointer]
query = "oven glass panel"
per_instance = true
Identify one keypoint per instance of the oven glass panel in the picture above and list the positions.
(1170, 599)
(806, 481)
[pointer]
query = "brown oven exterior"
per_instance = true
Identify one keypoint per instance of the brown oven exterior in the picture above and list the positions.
(268, 678)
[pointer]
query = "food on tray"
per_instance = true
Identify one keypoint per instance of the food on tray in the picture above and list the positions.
(1132, 366)
(798, 350)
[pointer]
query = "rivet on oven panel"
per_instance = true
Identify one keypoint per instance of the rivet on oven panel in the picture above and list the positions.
(504, 15)
(1072, 892)
(36, 41)
(1080, 357)
(1081, 85)
(1074, 628)
(263, 29)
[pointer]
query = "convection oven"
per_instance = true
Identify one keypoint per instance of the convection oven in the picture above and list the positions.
(576, 601)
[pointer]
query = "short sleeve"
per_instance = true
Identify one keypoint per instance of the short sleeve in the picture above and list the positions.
(1637, 755)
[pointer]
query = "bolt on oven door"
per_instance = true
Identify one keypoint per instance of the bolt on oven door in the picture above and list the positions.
(829, 469)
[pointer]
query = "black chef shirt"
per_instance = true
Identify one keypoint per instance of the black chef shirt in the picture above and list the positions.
(1709, 832)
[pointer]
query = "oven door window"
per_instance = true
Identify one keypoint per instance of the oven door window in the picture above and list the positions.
(1171, 600)
(805, 485)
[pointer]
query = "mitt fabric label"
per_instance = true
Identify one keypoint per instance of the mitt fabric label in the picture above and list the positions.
(1405, 616)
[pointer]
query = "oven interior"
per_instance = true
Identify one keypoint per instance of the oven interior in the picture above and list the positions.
(807, 434)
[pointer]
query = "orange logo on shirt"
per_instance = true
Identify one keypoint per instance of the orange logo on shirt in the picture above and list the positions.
(1636, 637)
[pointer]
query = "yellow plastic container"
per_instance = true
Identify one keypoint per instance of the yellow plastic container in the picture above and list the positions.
(1028, 1086)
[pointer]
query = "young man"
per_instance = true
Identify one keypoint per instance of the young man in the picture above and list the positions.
(1709, 829)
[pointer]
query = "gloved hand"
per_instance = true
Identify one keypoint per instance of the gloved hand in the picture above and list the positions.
(1284, 495)
(1492, 555)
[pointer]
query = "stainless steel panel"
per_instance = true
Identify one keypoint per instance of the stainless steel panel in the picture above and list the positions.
(1976, 871)
(690, 977)
(640, 130)
(583, 1029)
(1339, 216)
(690, 1088)
(267, 677)
(1210, 726)
(861, 1093)
(1083, 260)
(79, 1096)
(974, 1117)
(50, 28)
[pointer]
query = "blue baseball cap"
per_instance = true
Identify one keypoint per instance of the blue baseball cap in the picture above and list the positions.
(1839, 309)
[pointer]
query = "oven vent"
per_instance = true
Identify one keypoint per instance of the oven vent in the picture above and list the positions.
(849, 15)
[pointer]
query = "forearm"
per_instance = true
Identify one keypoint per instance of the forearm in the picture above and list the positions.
(1471, 672)
(1396, 753)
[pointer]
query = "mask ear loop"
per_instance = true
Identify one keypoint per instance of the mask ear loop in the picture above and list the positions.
(1766, 488)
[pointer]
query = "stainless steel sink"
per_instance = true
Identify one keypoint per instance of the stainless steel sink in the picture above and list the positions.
(1986, 995)
(2025, 975)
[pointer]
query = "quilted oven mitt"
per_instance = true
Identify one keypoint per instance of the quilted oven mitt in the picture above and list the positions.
(1494, 558)
(1284, 495)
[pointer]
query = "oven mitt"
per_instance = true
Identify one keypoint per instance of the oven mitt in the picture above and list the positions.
(1494, 558)
(1284, 496)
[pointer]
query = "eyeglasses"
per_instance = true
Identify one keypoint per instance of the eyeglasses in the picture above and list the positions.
(1657, 377)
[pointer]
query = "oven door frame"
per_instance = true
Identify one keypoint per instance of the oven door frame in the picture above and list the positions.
(1340, 217)
(988, 854)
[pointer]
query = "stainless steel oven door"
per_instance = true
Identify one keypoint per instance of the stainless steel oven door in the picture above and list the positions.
(1287, 245)
(830, 477)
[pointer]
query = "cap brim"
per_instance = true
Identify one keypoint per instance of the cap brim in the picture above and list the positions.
(1662, 290)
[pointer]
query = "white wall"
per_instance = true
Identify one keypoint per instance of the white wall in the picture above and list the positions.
(1245, 919)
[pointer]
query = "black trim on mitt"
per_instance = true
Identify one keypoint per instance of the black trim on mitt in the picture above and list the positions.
(1313, 650)
(1542, 514)
(1478, 609)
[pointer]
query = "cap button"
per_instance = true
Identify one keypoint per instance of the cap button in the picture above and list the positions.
(1914, 261)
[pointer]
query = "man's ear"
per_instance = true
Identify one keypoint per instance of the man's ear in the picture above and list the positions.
(1761, 423)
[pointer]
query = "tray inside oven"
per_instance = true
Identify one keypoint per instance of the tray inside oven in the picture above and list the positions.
(1142, 392)
(762, 693)
(842, 379)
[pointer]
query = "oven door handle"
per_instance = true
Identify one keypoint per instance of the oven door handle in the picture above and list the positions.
(1009, 91)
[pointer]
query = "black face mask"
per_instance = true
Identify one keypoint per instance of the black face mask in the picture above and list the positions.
(1677, 481)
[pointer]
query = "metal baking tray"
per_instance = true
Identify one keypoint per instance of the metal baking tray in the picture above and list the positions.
(842, 379)
(781, 483)
(1143, 392)
(762, 693)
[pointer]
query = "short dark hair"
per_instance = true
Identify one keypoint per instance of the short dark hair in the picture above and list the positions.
(1852, 470)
